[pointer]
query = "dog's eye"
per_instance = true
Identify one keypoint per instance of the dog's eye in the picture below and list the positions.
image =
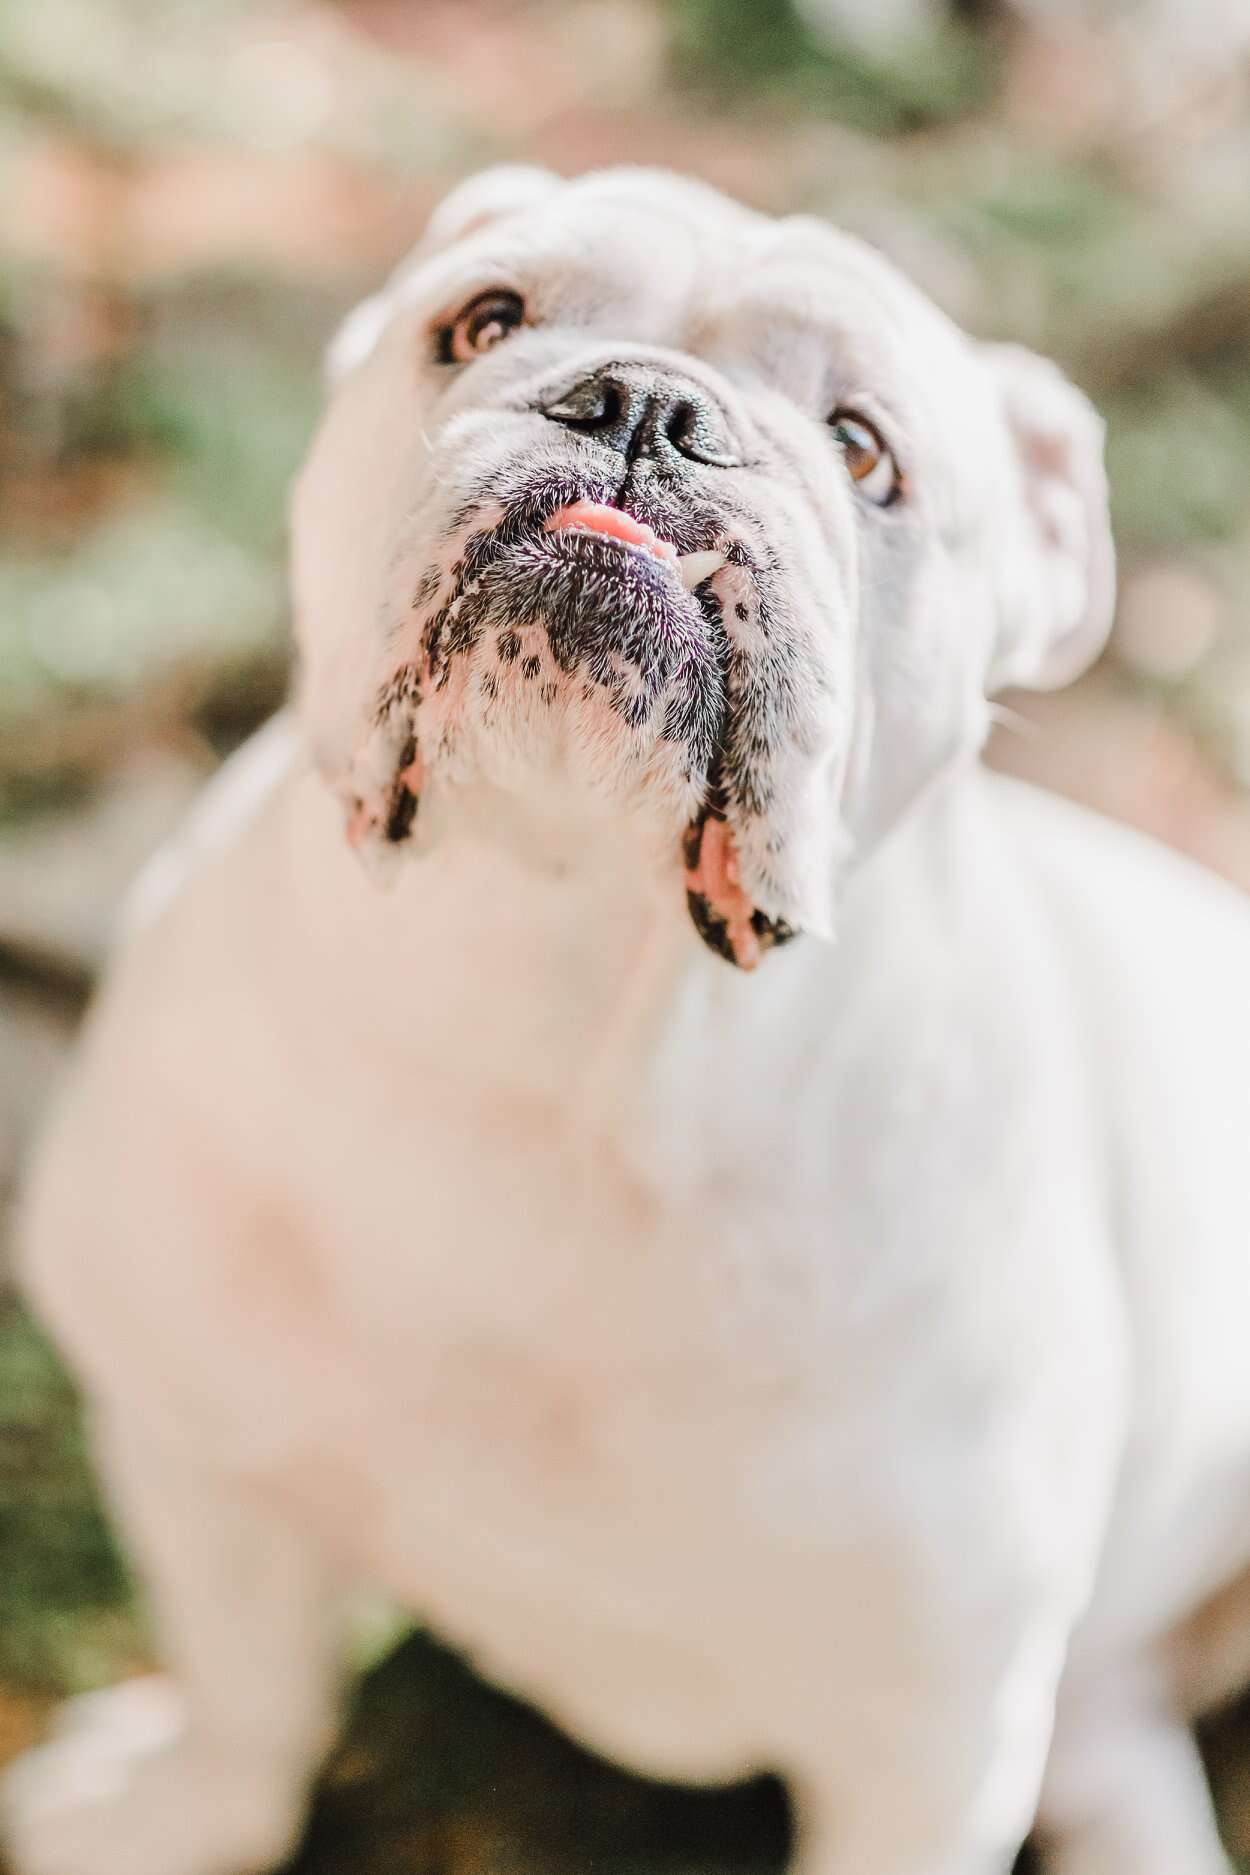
(869, 461)
(483, 323)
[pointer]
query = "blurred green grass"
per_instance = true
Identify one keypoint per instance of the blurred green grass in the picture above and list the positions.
(67, 1620)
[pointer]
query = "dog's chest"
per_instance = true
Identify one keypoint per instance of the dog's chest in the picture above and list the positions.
(540, 1322)
(560, 1415)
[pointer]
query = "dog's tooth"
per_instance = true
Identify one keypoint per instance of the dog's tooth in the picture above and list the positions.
(694, 568)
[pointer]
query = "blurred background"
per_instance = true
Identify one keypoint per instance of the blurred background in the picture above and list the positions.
(195, 190)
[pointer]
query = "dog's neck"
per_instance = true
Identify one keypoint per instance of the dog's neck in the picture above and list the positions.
(566, 930)
(544, 964)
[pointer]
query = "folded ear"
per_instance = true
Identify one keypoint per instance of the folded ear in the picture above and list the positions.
(1055, 563)
(472, 204)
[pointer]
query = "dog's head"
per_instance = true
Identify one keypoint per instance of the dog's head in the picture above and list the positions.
(633, 504)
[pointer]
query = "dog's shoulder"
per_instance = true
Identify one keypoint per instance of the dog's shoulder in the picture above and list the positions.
(1117, 884)
(178, 961)
(219, 818)
(1157, 951)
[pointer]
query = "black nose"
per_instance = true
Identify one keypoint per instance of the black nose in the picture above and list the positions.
(647, 413)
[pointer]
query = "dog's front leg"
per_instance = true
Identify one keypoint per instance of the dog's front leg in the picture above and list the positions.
(1125, 1792)
(204, 1773)
(942, 1779)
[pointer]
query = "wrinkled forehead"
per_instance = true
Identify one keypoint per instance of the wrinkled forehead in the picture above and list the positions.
(666, 261)
(604, 236)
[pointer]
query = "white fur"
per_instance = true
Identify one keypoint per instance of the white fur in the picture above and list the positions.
(838, 1368)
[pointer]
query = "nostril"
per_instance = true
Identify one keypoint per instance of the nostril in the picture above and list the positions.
(612, 404)
(697, 431)
(683, 422)
(594, 404)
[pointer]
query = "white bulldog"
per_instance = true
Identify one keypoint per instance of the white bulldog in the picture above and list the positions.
(838, 1366)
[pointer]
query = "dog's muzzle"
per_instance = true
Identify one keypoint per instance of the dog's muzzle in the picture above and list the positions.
(599, 592)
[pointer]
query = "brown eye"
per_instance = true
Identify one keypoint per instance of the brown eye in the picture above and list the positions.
(869, 462)
(483, 323)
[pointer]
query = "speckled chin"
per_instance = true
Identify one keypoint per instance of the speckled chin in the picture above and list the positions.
(541, 645)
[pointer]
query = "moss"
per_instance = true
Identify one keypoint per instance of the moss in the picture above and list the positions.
(67, 1619)
(1177, 449)
(730, 50)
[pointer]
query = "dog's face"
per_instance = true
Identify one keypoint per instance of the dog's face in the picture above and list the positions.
(634, 505)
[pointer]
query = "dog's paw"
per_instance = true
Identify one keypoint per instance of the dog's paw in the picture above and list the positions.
(120, 1790)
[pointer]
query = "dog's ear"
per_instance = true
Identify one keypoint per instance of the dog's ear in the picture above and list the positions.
(1055, 562)
(474, 204)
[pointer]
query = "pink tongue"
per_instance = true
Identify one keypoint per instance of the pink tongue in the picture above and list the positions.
(594, 517)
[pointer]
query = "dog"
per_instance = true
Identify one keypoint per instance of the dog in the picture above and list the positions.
(616, 1129)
